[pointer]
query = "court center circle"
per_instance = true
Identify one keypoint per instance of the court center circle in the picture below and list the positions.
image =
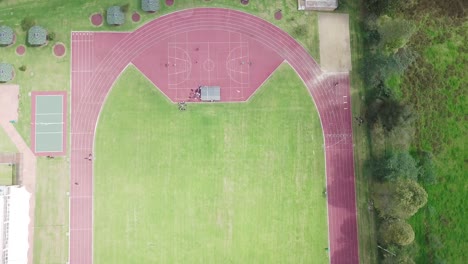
(208, 65)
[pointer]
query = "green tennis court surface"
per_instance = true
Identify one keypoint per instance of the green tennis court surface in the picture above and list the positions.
(49, 123)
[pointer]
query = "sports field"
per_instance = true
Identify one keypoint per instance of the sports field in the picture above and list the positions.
(228, 182)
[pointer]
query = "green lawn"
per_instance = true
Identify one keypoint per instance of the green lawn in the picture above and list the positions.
(440, 103)
(5, 143)
(6, 174)
(218, 183)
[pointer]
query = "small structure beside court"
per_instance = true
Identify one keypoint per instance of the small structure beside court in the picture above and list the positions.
(6, 72)
(6, 36)
(210, 93)
(115, 16)
(37, 36)
(322, 5)
(150, 5)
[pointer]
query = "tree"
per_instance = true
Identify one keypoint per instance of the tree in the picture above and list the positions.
(391, 114)
(399, 199)
(400, 165)
(27, 23)
(22, 68)
(394, 33)
(397, 232)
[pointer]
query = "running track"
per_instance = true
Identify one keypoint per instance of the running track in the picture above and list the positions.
(93, 77)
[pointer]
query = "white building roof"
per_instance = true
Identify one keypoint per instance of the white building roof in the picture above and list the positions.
(14, 221)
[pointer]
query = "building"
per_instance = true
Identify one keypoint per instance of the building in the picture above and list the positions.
(6, 72)
(321, 5)
(6, 36)
(210, 93)
(14, 223)
(115, 16)
(37, 36)
(150, 5)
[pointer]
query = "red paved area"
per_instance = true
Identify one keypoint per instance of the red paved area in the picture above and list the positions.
(184, 61)
(59, 50)
(96, 19)
(278, 15)
(64, 95)
(20, 50)
(224, 39)
(136, 17)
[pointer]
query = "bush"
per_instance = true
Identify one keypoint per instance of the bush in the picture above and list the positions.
(51, 36)
(397, 232)
(125, 8)
(27, 23)
(427, 172)
(300, 30)
(22, 68)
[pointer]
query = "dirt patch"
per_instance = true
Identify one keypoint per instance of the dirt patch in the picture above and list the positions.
(169, 2)
(20, 50)
(96, 19)
(335, 52)
(59, 50)
(136, 17)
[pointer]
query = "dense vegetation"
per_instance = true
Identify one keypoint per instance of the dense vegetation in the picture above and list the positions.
(413, 71)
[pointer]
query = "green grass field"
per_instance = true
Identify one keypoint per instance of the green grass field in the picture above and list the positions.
(6, 174)
(218, 183)
(46, 72)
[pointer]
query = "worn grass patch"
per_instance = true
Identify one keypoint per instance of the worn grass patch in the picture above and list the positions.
(218, 183)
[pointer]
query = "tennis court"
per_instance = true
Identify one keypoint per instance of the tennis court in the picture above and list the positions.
(48, 123)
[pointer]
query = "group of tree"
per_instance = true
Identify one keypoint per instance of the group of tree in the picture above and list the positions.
(397, 192)
(397, 196)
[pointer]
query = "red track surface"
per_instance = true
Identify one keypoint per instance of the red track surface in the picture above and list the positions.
(99, 58)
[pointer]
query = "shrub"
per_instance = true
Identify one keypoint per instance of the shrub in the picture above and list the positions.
(27, 23)
(51, 36)
(396, 232)
(22, 68)
(125, 8)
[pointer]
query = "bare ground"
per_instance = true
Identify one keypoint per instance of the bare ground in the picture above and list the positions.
(335, 53)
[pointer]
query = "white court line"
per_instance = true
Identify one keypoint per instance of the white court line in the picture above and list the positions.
(50, 114)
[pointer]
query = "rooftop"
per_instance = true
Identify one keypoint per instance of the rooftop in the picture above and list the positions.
(6, 72)
(6, 35)
(150, 5)
(210, 93)
(324, 5)
(115, 16)
(37, 36)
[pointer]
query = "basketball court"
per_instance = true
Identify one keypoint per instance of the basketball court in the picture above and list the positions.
(48, 123)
